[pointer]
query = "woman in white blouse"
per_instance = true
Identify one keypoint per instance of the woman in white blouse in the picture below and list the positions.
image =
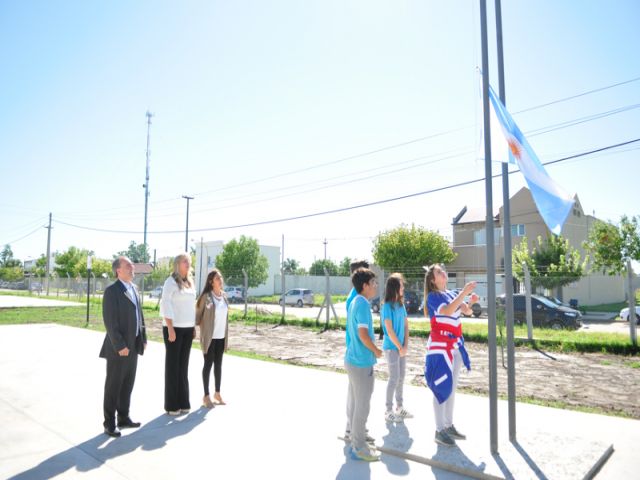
(178, 311)
(212, 315)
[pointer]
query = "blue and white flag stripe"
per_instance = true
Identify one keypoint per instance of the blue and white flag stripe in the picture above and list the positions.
(552, 201)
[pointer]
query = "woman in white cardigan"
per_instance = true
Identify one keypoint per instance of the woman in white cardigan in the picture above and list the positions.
(178, 311)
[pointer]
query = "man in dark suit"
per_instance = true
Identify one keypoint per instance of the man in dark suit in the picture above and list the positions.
(125, 340)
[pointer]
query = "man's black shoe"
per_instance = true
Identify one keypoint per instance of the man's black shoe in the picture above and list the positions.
(112, 432)
(128, 423)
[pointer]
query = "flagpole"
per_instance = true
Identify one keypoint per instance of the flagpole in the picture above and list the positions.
(490, 244)
(506, 225)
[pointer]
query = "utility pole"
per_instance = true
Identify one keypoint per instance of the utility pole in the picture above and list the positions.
(186, 233)
(325, 248)
(146, 182)
(146, 199)
(47, 266)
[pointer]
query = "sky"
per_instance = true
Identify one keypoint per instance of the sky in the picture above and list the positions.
(264, 110)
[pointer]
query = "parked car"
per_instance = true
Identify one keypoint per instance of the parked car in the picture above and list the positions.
(36, 287)
(235, 294)
(156, 292)
(624, 314)
(412, 302)
(298, 296)
(545, 313)
(375, 304)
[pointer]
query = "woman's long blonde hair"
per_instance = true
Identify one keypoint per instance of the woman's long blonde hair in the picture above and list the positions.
(183, 282)
(430, 283)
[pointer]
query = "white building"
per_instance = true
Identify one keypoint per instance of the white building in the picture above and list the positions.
(206, 253)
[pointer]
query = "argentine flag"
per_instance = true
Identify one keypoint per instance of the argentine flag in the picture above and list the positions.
(553, 203)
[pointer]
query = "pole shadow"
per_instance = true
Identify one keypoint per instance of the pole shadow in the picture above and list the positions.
(502, 466)
(454, 456)
(532, 464)
(93, 453)
(398, 439)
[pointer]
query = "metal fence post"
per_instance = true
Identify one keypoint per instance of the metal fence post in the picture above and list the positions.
(632, 306)
(246, 291)
(527, 300)
(327, 299)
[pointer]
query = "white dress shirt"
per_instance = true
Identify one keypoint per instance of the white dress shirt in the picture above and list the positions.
(177, 304)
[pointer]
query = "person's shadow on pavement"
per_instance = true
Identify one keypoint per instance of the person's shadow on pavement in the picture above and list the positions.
(353, 469)
(397, 439)
(93, 453)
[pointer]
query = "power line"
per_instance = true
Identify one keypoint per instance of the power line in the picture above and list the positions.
(374, 151)
(24, 227)
(37, 229)
(356, 177)
(588, 92)
(354, 207)
(588, 118)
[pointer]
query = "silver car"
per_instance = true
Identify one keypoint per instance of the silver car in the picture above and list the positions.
(624, 314)
(298, 296)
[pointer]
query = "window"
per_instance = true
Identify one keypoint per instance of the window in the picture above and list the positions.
(480, 236)
(517, 230)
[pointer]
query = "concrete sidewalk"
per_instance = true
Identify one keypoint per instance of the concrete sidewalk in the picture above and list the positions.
(280, 422)
(15, 301)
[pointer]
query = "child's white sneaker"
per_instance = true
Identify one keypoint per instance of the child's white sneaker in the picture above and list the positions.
(365, 454)
(390, 416)
(403, 413)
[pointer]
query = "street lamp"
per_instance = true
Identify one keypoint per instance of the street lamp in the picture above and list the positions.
(186, 233)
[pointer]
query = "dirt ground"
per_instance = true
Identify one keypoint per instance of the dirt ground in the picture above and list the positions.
(607, 382)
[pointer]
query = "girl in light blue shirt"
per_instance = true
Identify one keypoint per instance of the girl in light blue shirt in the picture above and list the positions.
(395, 325)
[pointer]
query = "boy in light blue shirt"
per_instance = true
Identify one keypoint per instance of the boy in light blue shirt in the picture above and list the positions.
(353, 266)
(359, 359)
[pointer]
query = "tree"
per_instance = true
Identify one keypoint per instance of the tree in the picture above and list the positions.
(290, 266)
(6, 258)
(406, 248)
(11, 274)
(41, 266)
(552, 264)
(243, 253)
(192, 254)
(99, 267)
(137, 253)
(68, 263)
(318, 266)
(161, 271)
(73, 262)
(611, 247)
(344, 268)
